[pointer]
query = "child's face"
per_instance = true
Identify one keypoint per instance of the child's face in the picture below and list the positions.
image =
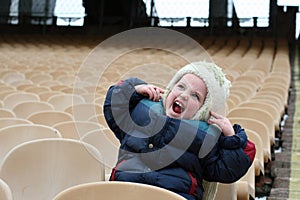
(186, 97)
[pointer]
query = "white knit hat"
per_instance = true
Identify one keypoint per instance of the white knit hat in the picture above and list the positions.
(217, 87)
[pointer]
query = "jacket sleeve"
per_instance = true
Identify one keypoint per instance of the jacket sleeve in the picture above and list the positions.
(235, 155)
(120, 98)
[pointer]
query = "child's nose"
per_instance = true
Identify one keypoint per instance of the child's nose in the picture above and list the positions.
(184, 95)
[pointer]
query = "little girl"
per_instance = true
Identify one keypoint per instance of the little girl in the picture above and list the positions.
(178, 140)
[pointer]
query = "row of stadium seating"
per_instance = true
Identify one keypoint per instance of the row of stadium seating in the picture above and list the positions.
(53, 88)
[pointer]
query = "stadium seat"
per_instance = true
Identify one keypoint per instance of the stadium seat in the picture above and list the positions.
(40, 169)
(5, 191)
(24, 109)
(267, 107)
(76, 129)
(11, 136)
(14, 98)
(107, 144)
(84, 111)
(260, 128)
(226, 191)
(6, 113)
(63, 101)
(258, 114)
(115, 191)
(49, 117)
(8, 121)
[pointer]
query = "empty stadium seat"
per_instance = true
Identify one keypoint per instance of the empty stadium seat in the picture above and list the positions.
(24, 109)
(62, 101)
(84, 111)
(5, 191)
(8, 121)
(13, 135)
(14, 98)
(258, 114)
(49, 117)
(6, 113)
(40, 169)
(76, 129)
(116, 190)
(107, 144)
(260, 128)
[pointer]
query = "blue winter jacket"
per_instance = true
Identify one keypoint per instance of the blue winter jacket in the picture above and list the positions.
(171, 153)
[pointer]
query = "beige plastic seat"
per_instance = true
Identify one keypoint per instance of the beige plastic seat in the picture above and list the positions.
(84, 111)
(282, 92)
(42, 168)
(246, 185)
(259, 156)
(38, 78)
(5, 191)
(99, 118)
(44, 96)
(230, 104)
(67, 79)
(235, 98)
(258, 114)
(107, 144)
(11, 136)
(272, 99)
(50, 117)
(24, 109)
(63, 101)
(76, 129)
(116, 190)
(267, 107)
(37, 89)
(13, 77)
(6, 113)
(24, 86)
(14, 98)
(226, 191)
(4, 93)
(59, 87)
(260, 128)
(8, 121)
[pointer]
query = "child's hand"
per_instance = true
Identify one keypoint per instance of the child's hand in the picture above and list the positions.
(153, 92)
(222, 122)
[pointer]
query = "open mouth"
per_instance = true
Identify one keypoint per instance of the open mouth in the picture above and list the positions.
(177, 107)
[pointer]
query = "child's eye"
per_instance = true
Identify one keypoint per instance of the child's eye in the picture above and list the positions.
(196, 97)
(180, 87)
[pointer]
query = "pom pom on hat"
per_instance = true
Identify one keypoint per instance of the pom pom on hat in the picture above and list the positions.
(216, 83)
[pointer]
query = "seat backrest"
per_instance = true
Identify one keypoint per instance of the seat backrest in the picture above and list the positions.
(24, 109)
(42, 168)
(14, 98)
(258, 114)
(63, 101)
(8, 121)
(6, 113)
(260, 128)
(226, 191)
(5, 191)
(117, 190)
(266, 107)
(107, 144)
(84, 111)
(254, 137)
(76, 129)
(49, 117)
(14, 135)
